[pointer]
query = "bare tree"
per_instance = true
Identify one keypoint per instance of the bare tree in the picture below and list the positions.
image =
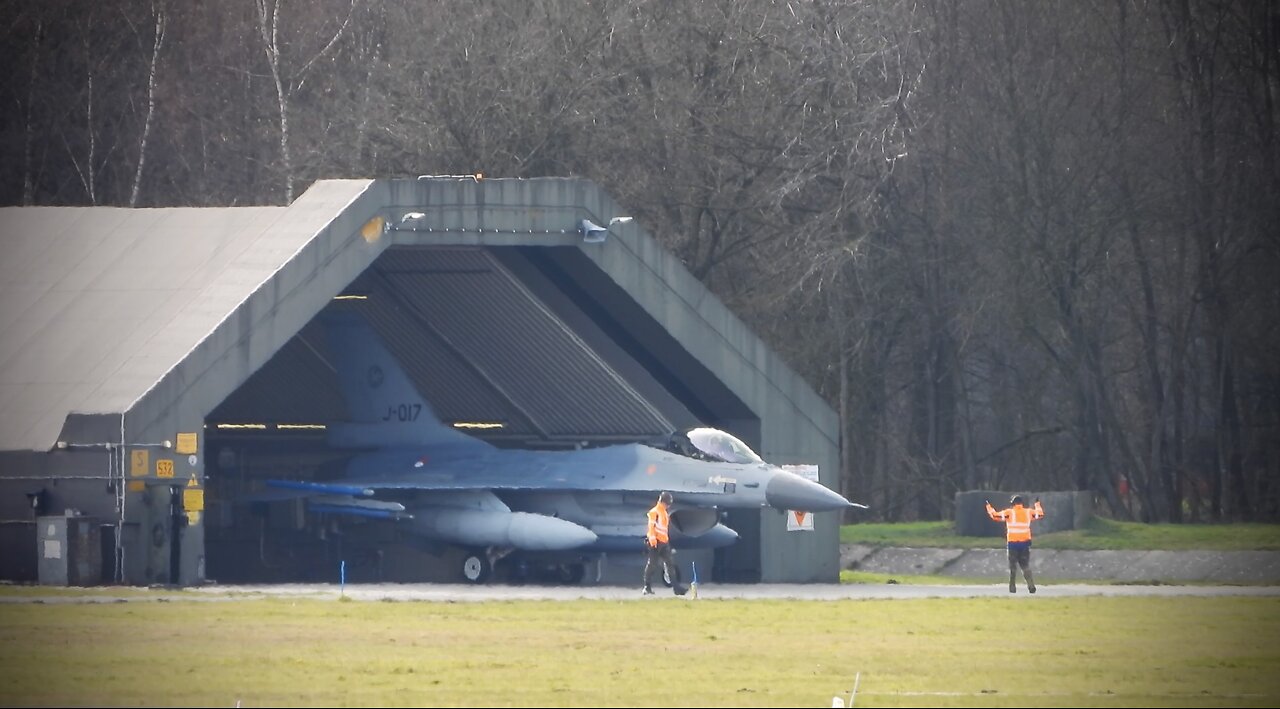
(1014, 246)
(288, 81)
(159, 14)
(36, 29)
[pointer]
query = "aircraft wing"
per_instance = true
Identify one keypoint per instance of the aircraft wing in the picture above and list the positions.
(632, 468)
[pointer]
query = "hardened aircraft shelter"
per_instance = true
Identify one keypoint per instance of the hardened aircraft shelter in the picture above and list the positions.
(156, 365)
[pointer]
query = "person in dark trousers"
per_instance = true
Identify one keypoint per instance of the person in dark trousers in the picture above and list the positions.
(1017, 523)
(658, 549)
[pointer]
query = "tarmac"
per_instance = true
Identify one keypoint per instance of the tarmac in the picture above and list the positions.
(1050, 565)
(463, 593)
(978, 573)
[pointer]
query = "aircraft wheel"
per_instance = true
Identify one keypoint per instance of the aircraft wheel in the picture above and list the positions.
(476, 568)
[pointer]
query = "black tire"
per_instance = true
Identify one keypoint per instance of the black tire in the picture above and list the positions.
(476, 568)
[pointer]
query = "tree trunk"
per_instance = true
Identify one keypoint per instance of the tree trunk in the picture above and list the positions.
(151, 101)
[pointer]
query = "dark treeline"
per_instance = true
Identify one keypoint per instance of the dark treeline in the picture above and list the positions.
(1017, 245)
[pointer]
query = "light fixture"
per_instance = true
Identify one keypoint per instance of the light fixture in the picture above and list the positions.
(593, 233)
(474, 176)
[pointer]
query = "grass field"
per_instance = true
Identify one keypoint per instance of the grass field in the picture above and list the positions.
(1099, 534)
(984, 652)
(1029, 651)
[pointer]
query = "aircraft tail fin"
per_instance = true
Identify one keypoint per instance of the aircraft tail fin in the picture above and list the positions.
(385, 407)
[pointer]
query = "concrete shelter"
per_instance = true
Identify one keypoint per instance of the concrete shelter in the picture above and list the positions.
(155, 363)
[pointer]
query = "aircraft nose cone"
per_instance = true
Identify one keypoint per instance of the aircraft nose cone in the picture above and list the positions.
(788, 491)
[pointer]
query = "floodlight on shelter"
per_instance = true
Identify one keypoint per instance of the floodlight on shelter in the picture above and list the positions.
(593, 233)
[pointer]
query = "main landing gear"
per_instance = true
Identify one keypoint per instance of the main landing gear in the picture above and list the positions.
(486, 565)
(477, 565)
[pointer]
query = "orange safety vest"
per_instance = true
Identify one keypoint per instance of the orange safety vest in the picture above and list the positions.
(659, 520)
(1017, 521)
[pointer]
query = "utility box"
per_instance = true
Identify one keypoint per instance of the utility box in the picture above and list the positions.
(68, 550)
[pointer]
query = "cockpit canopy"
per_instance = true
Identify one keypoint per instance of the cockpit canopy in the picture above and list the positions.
(713, 444)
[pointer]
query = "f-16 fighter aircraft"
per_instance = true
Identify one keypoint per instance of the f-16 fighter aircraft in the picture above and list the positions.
(450, 487)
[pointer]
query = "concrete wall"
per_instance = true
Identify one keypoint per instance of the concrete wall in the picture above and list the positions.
(308, 256)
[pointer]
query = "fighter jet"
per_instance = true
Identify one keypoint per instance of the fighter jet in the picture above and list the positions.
(448, 486)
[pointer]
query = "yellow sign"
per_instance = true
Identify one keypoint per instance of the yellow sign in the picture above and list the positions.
(193, 517)
(137, 486)
(192, 500)
(164, 468)
(138, 461)
(192, 482)
(186, 443)
(373, 229)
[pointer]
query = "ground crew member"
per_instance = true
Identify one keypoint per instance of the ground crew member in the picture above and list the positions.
(1017, 521)
(659, 544)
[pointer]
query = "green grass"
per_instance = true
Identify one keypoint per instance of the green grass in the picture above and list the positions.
(1099, 534)
(1026, 651)
(869, 578)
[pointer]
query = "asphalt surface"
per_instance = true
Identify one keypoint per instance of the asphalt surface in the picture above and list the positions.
(1113, 573)
(816, 592)
(459, 593)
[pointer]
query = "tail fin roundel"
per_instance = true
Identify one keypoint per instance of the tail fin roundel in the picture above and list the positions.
(386, 408)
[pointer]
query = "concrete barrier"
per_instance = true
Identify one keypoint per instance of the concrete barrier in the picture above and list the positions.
(1226, 567)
